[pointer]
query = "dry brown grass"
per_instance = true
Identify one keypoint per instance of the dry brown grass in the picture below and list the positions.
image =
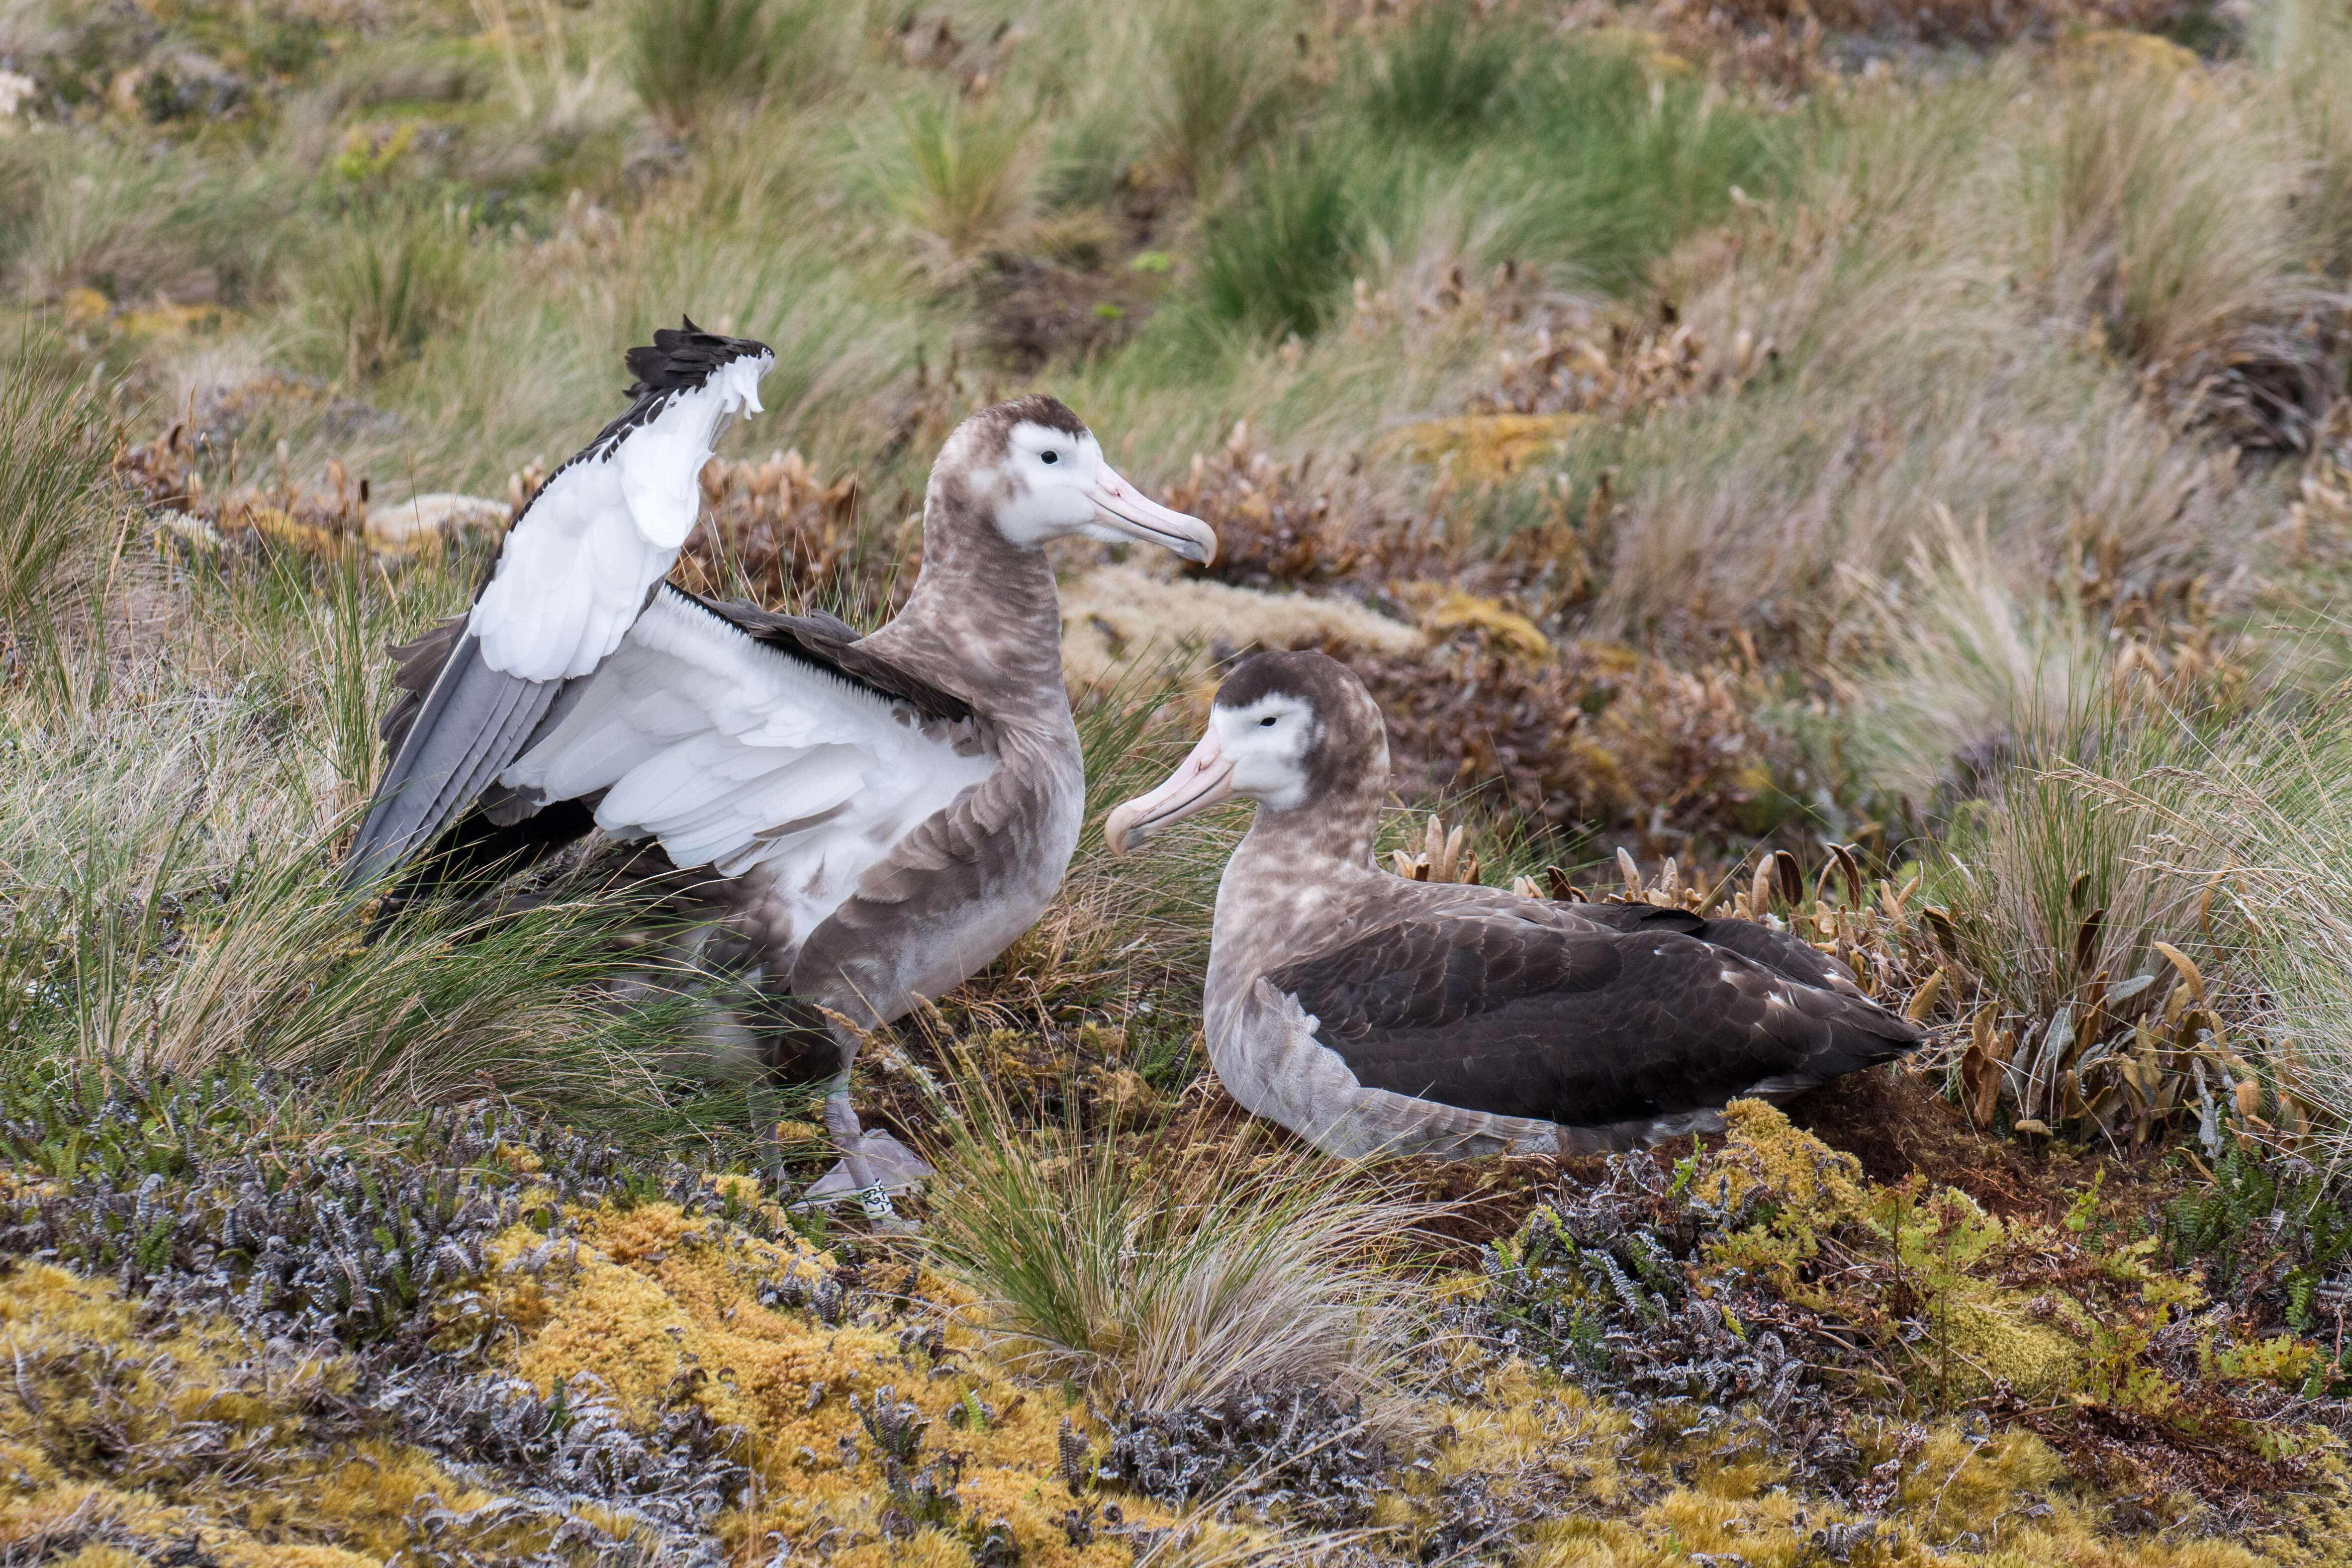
(1916, 376)
(1159, 1280)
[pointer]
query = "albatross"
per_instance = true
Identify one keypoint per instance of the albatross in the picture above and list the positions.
(849, 823)
(1372, 1014)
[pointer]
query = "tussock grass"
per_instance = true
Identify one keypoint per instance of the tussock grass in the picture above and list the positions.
(1157, 1284)
(1222, 76)
(1916, 380)
(1970, 664)
(54, 503)
(2048, 893)
(957, 173)
(2260, 815)
(688, 56)
(172, 902)
(384, 283)
(133, 222)
(1443, 74)
(1276, 262)
(2168, 225)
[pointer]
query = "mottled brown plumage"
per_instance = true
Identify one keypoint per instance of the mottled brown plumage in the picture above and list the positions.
(1367, 1012)
(839, 927)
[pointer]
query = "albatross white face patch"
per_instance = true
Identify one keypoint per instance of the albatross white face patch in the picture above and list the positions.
(1051, 483)
(1268, 742)
(1041, 485)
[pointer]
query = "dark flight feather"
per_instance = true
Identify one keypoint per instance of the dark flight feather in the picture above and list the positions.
(679, 361)
(468, 726)
(1776, 950)
(1596, 1028)
(831, 645)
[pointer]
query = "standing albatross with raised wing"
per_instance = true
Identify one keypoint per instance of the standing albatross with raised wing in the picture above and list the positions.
(856, 822)
(1368, 1013)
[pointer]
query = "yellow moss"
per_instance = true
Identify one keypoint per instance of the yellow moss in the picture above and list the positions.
(1444, 610)
(85, 306)
(101, 1557)
(2125, 52)
(1794, 1166)
(168, 321)
(1485, 446)
(336, 1509)
(649, 1305)
(1993, 1335)
(276, 1554)
(660, 1307)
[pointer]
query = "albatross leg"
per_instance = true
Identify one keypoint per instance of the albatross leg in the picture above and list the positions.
(812, 1044)
(874, 1165)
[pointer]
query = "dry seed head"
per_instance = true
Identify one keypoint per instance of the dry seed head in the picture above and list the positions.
(1924, 997)
(2192, 977)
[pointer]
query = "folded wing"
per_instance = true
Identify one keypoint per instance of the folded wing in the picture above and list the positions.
(1556, 1020)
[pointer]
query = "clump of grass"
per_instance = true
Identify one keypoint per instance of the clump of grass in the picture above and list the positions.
(82, 211)
(2047, 896)
(1964, 665)
(1789, 508)
(383, 286)
(689, 58)
(1443, 73)
(1223, 78)
(2260, 817)
(1158, 1283)
(156, 968)
(2308, 45)
(2169, 225)
(1627, 167)
(1276, 262)
(960, 172)
(54, 447)
(2085, 947)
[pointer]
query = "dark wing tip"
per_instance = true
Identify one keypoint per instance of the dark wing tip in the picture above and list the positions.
(684, 357)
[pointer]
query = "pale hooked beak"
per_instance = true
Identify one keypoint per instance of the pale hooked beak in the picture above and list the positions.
(1124, 509)
(1199, 781)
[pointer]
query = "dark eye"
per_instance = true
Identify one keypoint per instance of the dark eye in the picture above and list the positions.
(1266, 723)
(1049, 457)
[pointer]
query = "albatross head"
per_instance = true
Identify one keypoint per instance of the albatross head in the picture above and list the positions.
(1038, 473)
(1294, 732)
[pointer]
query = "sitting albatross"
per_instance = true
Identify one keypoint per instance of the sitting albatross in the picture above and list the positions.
(855, 822)
(1368, 1013)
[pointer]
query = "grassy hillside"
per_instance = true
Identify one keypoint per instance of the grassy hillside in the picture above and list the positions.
(1882, 469)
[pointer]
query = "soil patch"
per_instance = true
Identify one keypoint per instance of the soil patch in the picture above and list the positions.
(1899, 1126)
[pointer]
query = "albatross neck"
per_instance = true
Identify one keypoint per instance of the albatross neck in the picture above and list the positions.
(1294, 868)
(984, 612)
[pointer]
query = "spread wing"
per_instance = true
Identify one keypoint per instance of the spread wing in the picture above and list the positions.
(754, 744)
(572, 576)
(1567, 1022)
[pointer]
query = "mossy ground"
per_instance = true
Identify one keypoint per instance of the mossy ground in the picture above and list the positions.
(2079, 1411)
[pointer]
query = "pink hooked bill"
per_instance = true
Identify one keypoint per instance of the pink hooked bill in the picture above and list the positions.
(1130, 511)
(1199, 781)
